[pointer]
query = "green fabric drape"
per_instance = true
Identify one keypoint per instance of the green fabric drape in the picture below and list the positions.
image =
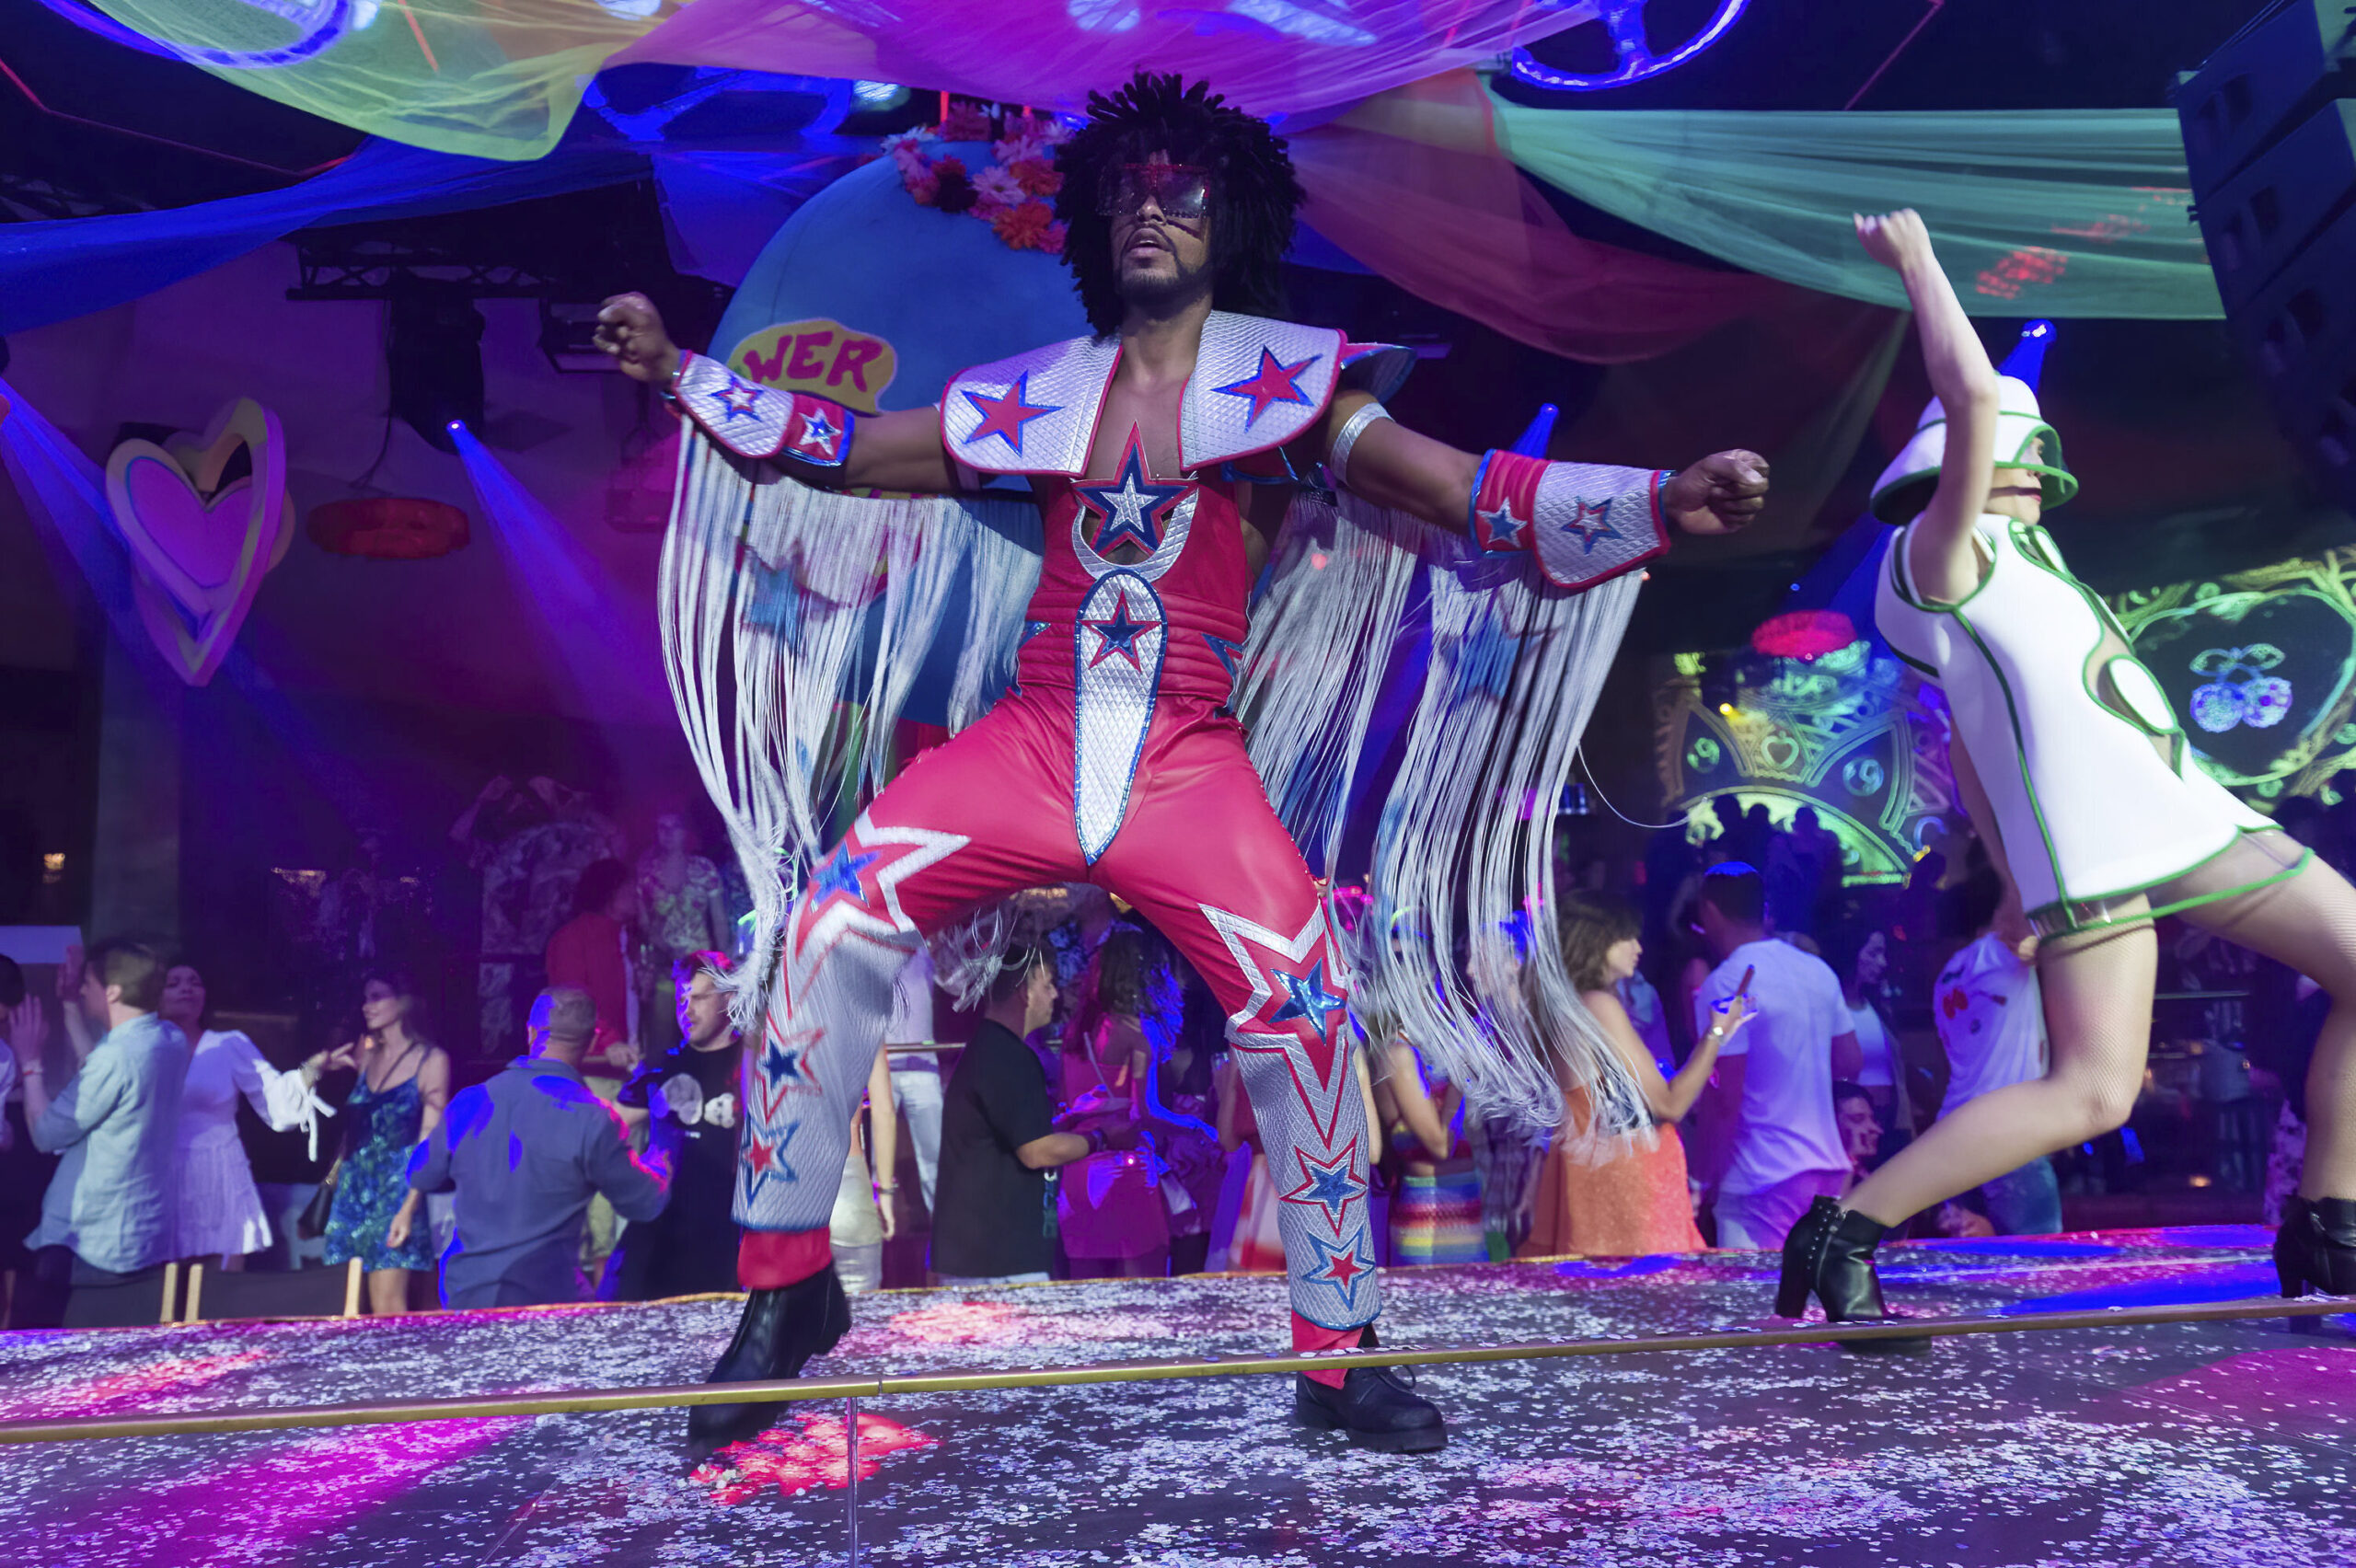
(2052, 212)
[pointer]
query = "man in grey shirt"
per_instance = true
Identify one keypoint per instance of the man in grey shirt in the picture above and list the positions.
(528, 1150)
(107, 1212)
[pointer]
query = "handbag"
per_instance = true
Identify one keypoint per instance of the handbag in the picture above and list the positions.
(312, 1223)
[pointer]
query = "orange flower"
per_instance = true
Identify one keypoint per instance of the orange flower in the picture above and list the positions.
(1024, 227)
(1036, 176)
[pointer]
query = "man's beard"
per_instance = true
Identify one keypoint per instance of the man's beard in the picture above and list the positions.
(1159, 295)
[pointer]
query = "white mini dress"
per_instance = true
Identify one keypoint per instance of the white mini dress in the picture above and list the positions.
(2094, 789)
(219, 1211)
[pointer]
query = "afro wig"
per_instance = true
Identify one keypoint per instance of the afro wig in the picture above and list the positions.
(1253, 193)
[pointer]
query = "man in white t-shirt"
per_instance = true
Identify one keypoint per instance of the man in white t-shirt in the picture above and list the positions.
(1991, 1025)
(1775, 1146)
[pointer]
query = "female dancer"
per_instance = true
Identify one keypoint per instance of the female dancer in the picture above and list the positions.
(404, 1084)
(2082, 784)
(220, 1215)
(1634, 1201)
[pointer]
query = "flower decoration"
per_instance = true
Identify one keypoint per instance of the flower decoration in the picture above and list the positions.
(966, 123)
(997, 184)
(1014, 195)
(1036, 176)
(1024, 227)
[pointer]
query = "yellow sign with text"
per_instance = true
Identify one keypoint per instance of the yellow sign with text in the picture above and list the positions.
(823, 358)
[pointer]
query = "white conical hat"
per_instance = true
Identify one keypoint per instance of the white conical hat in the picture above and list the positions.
(1904, 488)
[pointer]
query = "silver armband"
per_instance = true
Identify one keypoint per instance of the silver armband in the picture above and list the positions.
(1337, 461)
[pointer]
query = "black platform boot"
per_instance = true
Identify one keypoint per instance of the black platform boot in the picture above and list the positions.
(779, 1334)
(1830, 1254)
(2316, 1249)
(1374, 1405)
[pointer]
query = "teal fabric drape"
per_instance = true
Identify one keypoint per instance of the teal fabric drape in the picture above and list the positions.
(2052, 212)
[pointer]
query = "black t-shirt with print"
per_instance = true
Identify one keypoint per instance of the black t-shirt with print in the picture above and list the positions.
(690, 1247)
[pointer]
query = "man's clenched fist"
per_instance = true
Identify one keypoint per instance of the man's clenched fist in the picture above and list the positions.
(630, 328)
(1720, 494)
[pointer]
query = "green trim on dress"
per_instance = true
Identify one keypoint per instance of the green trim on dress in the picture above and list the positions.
(2064, 918)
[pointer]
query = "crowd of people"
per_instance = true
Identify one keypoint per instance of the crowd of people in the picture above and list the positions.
(1093, 1124)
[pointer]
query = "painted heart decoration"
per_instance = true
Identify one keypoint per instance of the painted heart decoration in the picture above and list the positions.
(202, 548)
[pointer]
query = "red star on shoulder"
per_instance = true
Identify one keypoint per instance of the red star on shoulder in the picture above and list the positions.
(1272, 384)
(1005, 415)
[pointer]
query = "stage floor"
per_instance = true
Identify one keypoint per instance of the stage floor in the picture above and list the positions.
(2196, 1445)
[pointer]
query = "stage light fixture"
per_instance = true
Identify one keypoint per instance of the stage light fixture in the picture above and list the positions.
(434, 352)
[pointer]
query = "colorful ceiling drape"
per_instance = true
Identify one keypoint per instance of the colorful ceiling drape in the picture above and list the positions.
(500, 78)
(2036, 212)
(1413, 185)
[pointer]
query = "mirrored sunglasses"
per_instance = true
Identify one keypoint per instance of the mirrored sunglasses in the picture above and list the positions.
(1180, 191)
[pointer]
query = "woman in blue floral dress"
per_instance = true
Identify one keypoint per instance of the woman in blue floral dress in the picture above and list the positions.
(404, 1084)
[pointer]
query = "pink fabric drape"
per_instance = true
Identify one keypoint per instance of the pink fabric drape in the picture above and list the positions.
(1271, 57)
(1412, 184)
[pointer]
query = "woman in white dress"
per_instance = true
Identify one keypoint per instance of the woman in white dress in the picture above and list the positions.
(220, 1215)
(2083, 785)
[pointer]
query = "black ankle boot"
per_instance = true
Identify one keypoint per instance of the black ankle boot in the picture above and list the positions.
(1830, 1254)
(1374, 1405)
(779, 1334)
(2316, 1249)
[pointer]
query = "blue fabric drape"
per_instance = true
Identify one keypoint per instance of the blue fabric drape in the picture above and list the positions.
(773, 153)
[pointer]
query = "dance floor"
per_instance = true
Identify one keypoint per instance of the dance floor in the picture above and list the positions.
(2199, 1445)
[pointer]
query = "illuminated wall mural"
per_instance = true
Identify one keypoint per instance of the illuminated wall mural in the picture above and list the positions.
(1854, 734)
(2261, 667)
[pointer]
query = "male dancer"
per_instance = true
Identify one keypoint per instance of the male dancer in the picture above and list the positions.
(1163, 453)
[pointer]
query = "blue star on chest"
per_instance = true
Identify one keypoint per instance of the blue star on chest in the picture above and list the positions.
(1587, 524)
(1133, 506)
(1308, 999)
(1120, 634)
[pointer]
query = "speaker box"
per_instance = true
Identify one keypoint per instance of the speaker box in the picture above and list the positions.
(2273, 74)
(2256, 221)
(2270, 140)
(2299, 333)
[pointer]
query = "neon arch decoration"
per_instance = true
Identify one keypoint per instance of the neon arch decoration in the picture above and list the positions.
(1625, 21)
(1852, 734)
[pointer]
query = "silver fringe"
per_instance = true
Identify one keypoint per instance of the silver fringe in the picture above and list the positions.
(764, 599)
(1464, 842)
